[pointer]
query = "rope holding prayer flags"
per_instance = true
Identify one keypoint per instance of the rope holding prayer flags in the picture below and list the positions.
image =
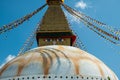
(29, 42)
(79, 42)
(18, 22)
(111, 29)
(104, 34)
(116, 32)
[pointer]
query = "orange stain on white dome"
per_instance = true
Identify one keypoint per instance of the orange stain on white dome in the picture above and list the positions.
(57, 60)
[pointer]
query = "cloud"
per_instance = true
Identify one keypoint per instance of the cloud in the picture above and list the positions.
(81, 5)
(10, 57)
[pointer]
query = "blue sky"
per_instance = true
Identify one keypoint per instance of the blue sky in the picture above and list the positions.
(106, 11)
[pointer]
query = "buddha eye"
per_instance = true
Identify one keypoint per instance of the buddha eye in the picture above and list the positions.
(48, 40)
(60, 40)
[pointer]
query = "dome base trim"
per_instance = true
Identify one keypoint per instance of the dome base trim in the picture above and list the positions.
(56, 77)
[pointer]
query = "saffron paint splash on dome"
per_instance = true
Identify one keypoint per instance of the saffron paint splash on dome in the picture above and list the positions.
(56, 62)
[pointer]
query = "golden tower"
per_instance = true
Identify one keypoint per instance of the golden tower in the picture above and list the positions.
(54, 28)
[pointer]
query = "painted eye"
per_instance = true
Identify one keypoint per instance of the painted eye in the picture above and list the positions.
(48, 40)
(60, 40)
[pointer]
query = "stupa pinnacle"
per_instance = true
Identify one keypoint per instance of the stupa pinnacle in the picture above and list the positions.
(51, 2)
(54, 28)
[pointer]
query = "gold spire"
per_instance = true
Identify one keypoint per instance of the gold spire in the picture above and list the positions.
(54, 28)
(54, 20)
(54, 2)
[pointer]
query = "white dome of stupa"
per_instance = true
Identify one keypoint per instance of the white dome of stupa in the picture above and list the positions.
(56, 63)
